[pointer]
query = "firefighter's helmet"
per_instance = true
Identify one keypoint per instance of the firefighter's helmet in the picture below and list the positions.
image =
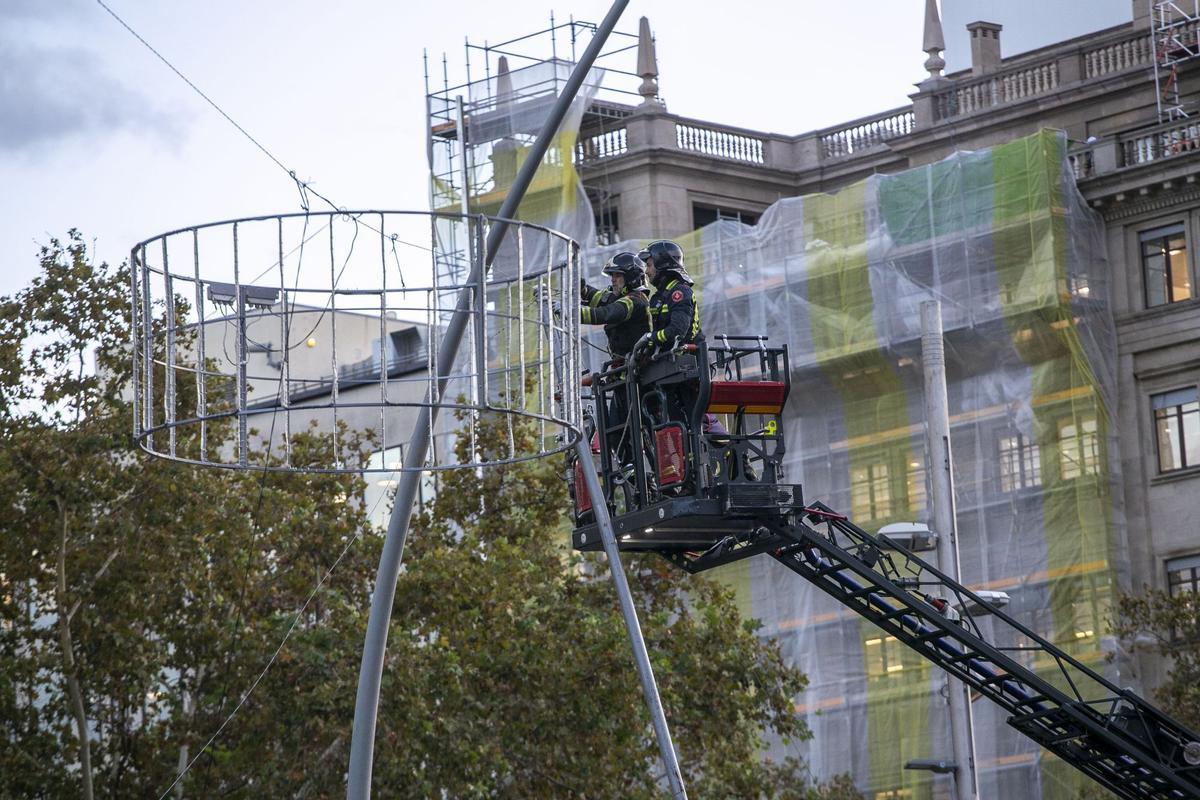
(629, 267)
(668, 258)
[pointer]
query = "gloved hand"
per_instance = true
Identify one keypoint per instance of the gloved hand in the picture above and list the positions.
(643, 344)
(537, 292)
(556, 308)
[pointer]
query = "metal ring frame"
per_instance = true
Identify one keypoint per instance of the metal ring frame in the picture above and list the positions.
(332, 319)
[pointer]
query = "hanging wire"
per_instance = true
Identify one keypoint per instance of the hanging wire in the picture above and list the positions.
(304, 187)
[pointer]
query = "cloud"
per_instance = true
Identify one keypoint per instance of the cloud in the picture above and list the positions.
(49, 94)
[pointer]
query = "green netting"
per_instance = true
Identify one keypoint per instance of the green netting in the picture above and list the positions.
(1006, 243)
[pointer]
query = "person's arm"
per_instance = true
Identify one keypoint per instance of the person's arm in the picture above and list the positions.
(609, 313)
(681, 311)
(590, 296)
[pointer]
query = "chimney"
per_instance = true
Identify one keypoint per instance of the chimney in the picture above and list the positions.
(1141, 13)
(985, 47)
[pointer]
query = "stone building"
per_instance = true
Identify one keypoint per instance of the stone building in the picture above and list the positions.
(1121, 96)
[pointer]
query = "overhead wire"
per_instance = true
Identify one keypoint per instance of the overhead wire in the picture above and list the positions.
(304, 188)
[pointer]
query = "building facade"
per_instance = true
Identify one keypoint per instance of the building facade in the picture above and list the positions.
(1049, 200)
(1121, 96)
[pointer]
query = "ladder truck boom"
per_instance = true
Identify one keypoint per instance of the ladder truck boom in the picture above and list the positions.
(702, 494)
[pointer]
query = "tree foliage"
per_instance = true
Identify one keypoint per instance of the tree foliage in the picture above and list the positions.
(140, 600)
(1173, 624)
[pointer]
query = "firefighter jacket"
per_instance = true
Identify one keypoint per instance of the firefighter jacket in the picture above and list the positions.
(625, 318)
(676, 314)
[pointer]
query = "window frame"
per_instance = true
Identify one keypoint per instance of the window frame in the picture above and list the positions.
(1028, 461)
(1178, 413)
(1162, 234)
(1077, 460)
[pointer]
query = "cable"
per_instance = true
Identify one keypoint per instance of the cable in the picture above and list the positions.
(295, 621)
(304, 187)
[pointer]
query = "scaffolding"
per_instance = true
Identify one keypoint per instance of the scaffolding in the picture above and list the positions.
(478, 129)
(1174, 25)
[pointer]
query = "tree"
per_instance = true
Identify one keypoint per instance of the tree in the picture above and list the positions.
(1173, 623)
(517, 678)
(141, 598)
(140, 601)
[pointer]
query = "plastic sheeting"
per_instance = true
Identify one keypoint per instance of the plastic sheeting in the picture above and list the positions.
(1007, 244)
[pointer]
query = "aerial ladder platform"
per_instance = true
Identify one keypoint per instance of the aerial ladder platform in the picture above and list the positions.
(702, 495)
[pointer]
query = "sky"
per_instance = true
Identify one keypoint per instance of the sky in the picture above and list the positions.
(97, 134)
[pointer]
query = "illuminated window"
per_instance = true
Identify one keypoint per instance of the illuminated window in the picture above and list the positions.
(1020, 463)
(870, 493)
(1078, 448)
(882, 655)
(1164, 265)
(894, 794)
(915, 486)
(1177, 429)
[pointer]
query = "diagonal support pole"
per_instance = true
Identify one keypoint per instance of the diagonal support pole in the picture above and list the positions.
(649, 688)
(370, 676)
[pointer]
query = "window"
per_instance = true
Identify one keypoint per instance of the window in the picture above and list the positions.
(608, 226)
(381, 486)
(883, 655)
(1079, 448)
(1177, 429)
(706, 215)
(916, 486)
(1020, 463)
(1164, 266)
(1183, 575)
(870, 493)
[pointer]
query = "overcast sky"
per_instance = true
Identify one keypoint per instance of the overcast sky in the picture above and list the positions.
(97, 134)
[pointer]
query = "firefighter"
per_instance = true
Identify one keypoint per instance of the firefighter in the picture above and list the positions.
(623, 309)
(673, 308)
(676, 315)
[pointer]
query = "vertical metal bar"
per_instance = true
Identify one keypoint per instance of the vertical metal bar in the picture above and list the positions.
(521, 308)
(362, 742)
(385, 350)
(333, 359)
(645, 672)
(285, 372)
(135, 322)
(549, 337)
(240, 344)
(933, 359)
(201, 355)
(147, 353)
(507, 367)
(169, 359)
(480, 327)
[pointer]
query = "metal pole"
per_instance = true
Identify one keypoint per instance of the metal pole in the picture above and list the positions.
(370, 676)
(645, 672)
(937, 414)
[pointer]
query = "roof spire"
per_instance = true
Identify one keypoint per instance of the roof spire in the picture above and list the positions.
(935, 43)
(647, 65)
(504, 85)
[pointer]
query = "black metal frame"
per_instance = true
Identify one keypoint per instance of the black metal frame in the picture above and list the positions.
(733, 476)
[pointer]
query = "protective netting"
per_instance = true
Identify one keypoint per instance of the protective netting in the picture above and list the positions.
(1003, 239)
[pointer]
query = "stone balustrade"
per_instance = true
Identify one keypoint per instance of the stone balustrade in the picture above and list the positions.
(1162, 141)
(855, 137)
(1105, 56)
(1128, 52)
(604, 144)
(722, 143)
(1003, 87)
